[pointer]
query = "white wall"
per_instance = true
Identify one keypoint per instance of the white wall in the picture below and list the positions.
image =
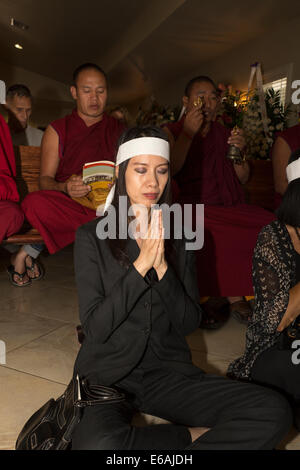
(278, 47)
(52, 99)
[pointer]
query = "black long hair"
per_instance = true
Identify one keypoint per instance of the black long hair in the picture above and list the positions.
(118, 246)
(289, 210)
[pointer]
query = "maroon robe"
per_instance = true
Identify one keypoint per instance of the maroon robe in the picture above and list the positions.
(292, 138)
(231, 227)
(53, 213)
(11, 216)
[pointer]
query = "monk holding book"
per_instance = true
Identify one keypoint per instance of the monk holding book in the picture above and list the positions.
(87, 135)
(100, 178)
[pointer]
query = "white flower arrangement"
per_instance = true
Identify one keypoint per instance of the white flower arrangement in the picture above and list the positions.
(258, 144)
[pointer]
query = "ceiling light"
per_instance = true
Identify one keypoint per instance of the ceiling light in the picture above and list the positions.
(18, 24)
(18, 46)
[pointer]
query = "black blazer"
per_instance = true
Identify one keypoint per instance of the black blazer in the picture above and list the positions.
(116, 305)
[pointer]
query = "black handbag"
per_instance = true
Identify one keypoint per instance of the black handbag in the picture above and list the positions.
(51, 427)
(289, 335)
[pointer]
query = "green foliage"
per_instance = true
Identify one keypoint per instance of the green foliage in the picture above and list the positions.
(243, 110)
(231, 112)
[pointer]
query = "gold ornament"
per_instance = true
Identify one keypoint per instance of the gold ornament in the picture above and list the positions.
(199, 102)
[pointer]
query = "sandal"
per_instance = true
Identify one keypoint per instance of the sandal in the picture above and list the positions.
(241, 311)
(215, 313)
(31, 269)
(11, 273)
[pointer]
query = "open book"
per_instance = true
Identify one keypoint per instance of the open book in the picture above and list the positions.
(103, 170)
(100, 176)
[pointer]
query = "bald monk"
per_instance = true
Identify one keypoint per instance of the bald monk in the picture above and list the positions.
(86, 135)
(11, 215)
(204, 175)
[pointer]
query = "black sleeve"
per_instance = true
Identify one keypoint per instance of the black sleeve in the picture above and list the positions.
(181, 297)
(101, 314)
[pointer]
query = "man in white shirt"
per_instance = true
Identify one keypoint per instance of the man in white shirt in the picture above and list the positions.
(19, 102)
(19, 106)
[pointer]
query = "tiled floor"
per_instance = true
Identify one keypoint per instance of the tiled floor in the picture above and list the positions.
(38, 323)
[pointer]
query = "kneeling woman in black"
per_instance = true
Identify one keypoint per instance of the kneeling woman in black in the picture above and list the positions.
(269, 358)
(138, 300)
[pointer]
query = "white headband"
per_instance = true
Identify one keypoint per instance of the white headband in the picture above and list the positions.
(133, 148)
(143, 146)
(293, 170)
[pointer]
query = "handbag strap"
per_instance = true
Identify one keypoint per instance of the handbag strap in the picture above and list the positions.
(97, 395)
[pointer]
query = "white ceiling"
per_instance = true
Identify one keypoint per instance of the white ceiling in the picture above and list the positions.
(142, 44)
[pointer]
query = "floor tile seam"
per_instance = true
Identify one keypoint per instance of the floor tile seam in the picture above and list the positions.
(56, 265)
(42, 317)
(55, 319)
(70, 288)
(4, 297)
(40, 283)
(37, 338)
(30, 315)
(32, 375)
(9, 297)
(214, 354)
(57, 284)
(6, 308)
(46, 279)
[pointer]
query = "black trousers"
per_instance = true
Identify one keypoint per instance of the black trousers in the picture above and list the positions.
(275, 368)
(239, 415)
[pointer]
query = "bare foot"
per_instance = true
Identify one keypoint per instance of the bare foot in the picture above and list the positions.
(18, 262)
(197, 432)
(32, 268)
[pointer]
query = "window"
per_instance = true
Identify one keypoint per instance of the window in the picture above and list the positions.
(280, 79)
(278, 85)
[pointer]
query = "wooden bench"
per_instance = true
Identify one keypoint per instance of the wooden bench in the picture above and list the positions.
(27, 177)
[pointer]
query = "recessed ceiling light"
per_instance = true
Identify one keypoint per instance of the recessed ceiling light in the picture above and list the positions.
(18, 46)
(18, 24)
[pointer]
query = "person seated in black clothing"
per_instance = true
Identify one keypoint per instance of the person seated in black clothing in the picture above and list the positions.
(269, 358)
(138, 299)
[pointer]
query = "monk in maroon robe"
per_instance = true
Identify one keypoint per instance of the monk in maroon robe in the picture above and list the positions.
(87, 135)
(204, 175)
(11, 215)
